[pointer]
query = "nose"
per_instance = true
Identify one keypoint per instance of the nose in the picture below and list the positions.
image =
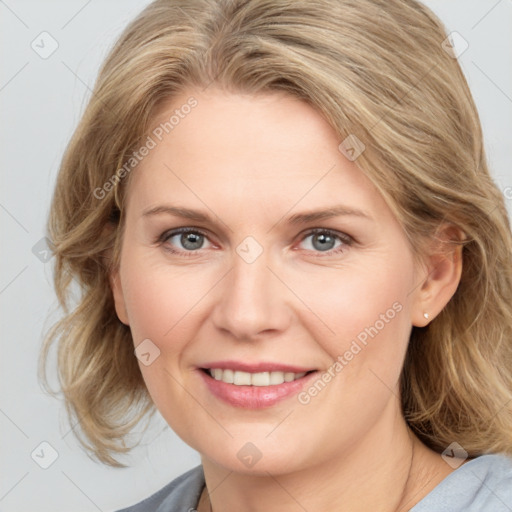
(253, 301)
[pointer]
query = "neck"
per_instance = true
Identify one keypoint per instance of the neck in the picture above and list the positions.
(386, 471)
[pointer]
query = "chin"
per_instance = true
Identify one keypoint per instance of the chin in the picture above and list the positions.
(259, 457)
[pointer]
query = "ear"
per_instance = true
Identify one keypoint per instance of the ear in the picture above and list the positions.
(440, 275)
(114, 279)
(117, 292)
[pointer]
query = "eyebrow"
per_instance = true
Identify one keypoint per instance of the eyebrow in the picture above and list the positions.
(297, 218)
(326, 213)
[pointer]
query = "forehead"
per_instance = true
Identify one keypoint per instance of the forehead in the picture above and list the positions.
(244, 149)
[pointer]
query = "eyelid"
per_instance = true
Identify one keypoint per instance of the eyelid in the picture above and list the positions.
(346, 239)
(170, 233)
(343, 236)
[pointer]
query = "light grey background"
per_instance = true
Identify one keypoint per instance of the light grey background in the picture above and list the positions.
(41, 100)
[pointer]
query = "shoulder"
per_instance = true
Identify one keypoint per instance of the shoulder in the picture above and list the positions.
(180, 494)
(483, 484)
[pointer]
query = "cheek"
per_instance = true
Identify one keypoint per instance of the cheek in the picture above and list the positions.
(368, 314)
(363, 326)
(361, 314)
(152, 305)
(158, 297)
(163, 306)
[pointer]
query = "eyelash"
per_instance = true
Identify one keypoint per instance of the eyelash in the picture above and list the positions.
(343, 237)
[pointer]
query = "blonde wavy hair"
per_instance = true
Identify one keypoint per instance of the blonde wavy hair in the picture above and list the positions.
(375, 69)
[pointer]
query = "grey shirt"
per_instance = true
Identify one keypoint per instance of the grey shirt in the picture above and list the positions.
(483, 484)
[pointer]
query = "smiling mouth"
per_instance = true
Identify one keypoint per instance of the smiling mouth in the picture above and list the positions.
(258, 379)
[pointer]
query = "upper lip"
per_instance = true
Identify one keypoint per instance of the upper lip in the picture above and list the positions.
(258, 367)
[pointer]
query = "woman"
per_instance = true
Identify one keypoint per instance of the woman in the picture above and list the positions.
(288, 241)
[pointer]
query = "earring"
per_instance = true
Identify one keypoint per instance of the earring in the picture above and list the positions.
(426, 315)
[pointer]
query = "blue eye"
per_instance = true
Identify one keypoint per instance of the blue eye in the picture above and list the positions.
(327, 241)
(192, 240)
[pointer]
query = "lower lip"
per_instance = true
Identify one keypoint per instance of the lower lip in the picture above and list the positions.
(254, 397)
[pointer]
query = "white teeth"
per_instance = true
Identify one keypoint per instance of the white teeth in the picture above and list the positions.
(239, 378)
(260, 379)
(276, 378)
(288, 377)
(227, 376)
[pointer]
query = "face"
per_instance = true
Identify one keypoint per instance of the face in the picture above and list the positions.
(229, 269)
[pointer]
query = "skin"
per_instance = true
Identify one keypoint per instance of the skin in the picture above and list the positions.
(251, 162)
